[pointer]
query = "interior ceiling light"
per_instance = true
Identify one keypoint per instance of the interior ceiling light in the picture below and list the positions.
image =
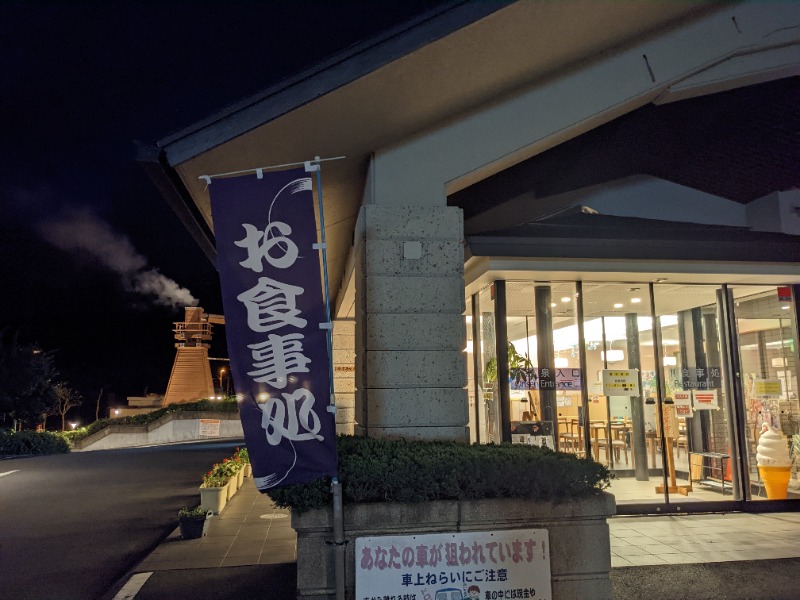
(553, 305)
(635, 300)
(613, 355)
(566, 299)
(618, 305)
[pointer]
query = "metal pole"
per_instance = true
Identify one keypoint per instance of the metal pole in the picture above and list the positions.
(336, 488)
(501, 329)
(338, 538)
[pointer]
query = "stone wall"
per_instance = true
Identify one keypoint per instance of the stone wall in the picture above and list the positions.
(580, 553)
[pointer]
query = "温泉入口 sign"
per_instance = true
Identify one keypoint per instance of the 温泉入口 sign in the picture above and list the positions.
(455, 566)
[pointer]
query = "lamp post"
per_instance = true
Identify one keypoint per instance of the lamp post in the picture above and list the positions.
(221, 375)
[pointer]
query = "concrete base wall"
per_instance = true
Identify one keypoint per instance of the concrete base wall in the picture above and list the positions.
(171, 428)
(580, 552)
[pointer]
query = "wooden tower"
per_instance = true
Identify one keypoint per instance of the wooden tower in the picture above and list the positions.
(190, 379)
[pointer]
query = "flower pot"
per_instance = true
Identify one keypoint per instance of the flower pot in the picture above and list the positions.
(239, 478)
(248, 470)
(194, 527)
(213, 498)
(232, 487)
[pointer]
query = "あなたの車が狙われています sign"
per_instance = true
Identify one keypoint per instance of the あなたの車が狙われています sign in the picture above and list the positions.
(455, 566)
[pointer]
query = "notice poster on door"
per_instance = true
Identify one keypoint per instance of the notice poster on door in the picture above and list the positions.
(706, 400)
(454, 566)
(620, 382)
(683, 403)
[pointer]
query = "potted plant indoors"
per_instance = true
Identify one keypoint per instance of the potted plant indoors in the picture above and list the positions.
(193, 522)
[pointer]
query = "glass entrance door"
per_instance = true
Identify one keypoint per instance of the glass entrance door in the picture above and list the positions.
(623, 391)
(698, 412)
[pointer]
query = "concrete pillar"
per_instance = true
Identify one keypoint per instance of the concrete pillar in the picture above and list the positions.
(410, 365)
(344, 374)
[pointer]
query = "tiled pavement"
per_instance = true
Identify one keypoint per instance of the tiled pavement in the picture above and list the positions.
(690, 539)
(252, 531)
(249, 531)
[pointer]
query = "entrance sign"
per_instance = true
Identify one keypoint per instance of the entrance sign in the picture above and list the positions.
(209, 428)
(565, 378)
(705, 400)
(455, 566)
(276, 323)
(621, 382)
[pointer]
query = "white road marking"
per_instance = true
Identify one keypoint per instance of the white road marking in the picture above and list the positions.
(9, 473)
(130, 589)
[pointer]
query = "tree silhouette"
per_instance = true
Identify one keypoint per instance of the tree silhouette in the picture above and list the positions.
(27, 372)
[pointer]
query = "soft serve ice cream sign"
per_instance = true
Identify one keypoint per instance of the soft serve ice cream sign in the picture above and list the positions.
(774, 462)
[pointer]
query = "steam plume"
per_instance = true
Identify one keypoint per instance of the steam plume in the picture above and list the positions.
(81, 230)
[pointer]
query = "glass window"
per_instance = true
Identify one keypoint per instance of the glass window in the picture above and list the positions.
(767, 351)
(488, 413)
(470, 358)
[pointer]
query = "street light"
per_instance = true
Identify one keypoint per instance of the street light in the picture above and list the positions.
(222, 372)
(73, 425)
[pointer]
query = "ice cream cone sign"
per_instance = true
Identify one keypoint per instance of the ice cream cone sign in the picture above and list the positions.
(774, 462)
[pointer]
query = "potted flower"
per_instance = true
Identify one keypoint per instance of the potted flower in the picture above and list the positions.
(213, 492)
(239, 466)
(244, 455)
(193, 522)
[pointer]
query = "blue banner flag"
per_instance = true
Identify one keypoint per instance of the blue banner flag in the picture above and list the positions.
(272, 297)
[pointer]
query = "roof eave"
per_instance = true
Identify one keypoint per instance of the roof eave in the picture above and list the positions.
(339, 70)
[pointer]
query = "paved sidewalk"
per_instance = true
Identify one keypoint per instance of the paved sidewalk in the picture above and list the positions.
(249, 531)
(250, 552)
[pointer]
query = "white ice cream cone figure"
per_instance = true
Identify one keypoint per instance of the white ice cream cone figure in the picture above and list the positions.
(774, 463)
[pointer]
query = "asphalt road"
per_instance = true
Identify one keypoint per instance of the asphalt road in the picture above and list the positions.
(72, 524)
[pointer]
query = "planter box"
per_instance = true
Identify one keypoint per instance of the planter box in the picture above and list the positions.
(233, 487)
(194, 527)
(214, 498)
(239, 478)
(580, 553)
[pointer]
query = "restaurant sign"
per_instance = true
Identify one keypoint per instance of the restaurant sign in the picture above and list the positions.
(454, 566)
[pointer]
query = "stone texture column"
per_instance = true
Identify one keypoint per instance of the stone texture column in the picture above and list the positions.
(410, 366)
(344, 374)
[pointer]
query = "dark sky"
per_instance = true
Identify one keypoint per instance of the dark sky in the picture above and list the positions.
(94, 263)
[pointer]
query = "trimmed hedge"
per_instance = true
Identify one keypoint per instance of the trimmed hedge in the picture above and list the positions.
(31, 442)
(224, 406)
(379, 470)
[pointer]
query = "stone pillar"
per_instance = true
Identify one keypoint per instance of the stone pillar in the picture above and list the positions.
(344, 374)
(410, 365)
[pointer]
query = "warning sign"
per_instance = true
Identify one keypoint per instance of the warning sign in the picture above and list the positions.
(705, 400)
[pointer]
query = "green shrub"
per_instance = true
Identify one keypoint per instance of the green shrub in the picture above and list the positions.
(32, 442)
(375, 470)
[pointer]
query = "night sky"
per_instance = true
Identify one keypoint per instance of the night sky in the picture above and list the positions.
(95, 266)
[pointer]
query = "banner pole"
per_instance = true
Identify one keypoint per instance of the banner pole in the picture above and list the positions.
(336, 487)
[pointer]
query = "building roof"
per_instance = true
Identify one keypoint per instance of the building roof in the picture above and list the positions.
(591, 235)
